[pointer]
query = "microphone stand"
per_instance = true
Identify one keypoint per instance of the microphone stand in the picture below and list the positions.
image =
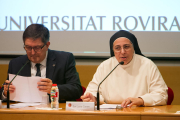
(8, 95)
(98, 99)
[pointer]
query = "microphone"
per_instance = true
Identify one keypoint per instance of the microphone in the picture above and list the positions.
(8, 95)
(98, 99)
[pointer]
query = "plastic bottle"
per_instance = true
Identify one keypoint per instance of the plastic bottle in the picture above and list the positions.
(54, 97)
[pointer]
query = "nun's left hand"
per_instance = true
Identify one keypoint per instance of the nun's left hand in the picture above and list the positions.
(132, 101)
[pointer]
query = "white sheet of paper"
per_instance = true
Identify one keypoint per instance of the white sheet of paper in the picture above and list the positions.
(178, 112)
(45, 108)
(109, 106)
(26, 89)
(21, 105)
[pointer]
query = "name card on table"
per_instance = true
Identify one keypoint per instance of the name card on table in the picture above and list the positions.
(85, 106)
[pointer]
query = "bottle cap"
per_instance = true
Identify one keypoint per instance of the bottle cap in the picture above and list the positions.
(54, 84)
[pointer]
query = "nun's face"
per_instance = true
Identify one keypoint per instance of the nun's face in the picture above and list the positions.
(123, 50)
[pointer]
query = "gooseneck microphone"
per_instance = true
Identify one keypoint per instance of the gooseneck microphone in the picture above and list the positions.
(8, 95)
(98, 99)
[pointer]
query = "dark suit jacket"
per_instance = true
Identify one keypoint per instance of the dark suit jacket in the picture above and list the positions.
(60, 68)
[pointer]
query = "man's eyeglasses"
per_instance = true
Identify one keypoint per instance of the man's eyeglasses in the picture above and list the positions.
(36, 48)
(125, 47)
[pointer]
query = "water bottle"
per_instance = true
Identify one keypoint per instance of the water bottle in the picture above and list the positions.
(54, 97)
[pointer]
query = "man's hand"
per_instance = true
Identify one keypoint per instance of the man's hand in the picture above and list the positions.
(88, 97)
(45, 85)
(11, 88)
(132, 101)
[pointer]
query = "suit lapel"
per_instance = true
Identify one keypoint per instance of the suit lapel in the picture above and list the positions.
(50, 65)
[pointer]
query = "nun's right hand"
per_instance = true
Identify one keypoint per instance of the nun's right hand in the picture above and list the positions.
(88, 97)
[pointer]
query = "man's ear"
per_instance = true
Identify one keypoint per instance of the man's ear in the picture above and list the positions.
(48, 43)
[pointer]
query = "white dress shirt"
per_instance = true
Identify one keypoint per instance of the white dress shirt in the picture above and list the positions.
(42, 68)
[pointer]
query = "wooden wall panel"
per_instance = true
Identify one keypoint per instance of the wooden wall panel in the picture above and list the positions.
(171, 75)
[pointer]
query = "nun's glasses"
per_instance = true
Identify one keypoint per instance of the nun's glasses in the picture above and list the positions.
(118, 48)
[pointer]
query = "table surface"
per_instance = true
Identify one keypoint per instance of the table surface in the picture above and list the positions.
(136, 113)
(168, 109)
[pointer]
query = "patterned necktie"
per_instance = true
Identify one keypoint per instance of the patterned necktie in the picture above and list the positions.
(38, 70)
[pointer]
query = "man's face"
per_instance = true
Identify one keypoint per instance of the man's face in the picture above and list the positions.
(37, 55)
(123, 50)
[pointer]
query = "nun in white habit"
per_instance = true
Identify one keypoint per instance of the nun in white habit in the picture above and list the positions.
(136, 82)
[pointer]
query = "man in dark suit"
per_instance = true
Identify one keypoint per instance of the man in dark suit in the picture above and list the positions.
(54, 66)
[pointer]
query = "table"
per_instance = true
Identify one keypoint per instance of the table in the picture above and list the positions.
(167, 112)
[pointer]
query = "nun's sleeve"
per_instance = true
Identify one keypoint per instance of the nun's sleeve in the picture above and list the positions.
(93, 85)
(157, 89)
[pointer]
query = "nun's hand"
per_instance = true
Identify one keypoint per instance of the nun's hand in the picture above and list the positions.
(132, 101)
(88, 97)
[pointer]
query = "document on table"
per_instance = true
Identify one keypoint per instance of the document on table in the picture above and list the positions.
(110, 106)
(26, 89)
(21, 105)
